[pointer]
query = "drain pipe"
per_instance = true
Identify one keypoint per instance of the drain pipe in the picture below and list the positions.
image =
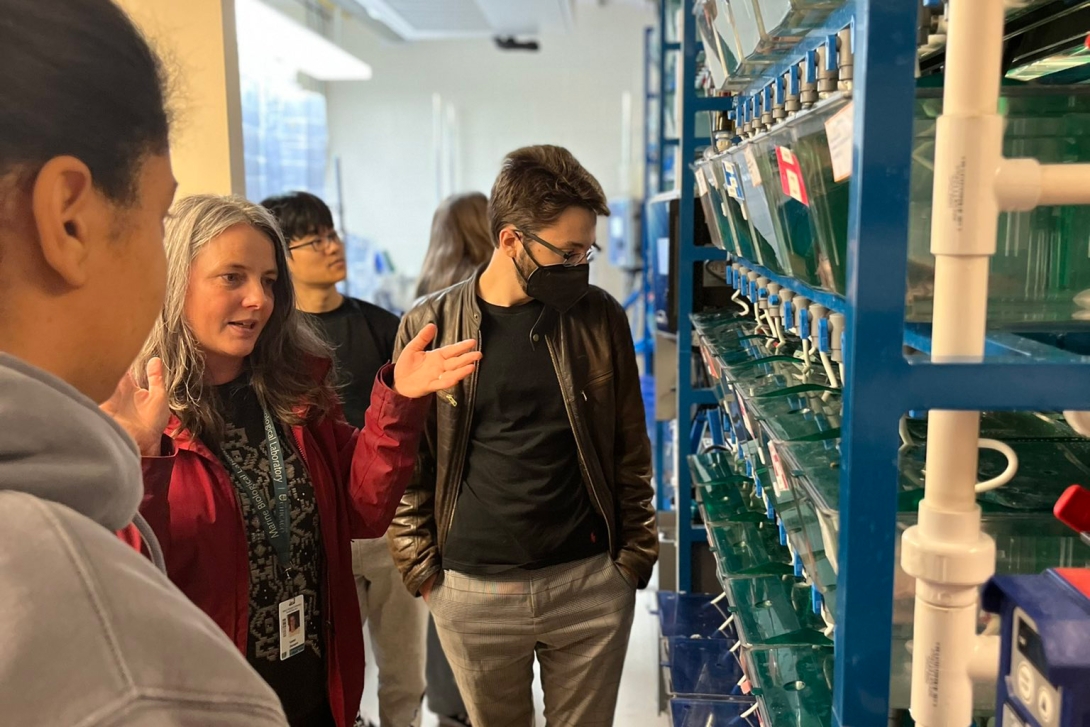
(947, 552)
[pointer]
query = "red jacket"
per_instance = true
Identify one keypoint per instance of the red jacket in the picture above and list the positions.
(359, 477)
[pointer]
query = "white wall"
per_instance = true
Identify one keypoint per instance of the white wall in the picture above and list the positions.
(199, 42)
(569, 93)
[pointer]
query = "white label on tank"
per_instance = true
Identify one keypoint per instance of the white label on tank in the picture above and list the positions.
(839, 130)
(751, 164)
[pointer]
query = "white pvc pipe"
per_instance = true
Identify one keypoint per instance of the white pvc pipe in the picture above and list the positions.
(974, 54)
(827, 363)
(1065, 184)
(946, 551)
(961, 307)
(952, 438)
(984, 666)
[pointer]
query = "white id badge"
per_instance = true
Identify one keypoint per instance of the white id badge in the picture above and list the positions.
(293, 628)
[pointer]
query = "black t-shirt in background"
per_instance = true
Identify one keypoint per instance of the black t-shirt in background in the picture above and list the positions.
(363, 337)
(523, 503)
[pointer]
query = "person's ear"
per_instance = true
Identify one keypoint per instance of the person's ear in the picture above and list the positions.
(509, 241)
(67, 216)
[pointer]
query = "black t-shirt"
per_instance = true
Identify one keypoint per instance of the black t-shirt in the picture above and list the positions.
(363, 337)
(300, 681)
(523, 503)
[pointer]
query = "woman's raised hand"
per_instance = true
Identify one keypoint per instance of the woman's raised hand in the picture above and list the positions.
(143, 413)
(419, 372)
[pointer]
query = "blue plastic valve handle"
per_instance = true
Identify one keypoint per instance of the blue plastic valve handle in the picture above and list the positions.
(779, 90)
(788, 314)
(798, 566)
(810, 76)
(766, 97)
(830, 53)
(804, 325)
(823, 335)
(816, 599)
(774, 300)
(783, 535)
(793, 80)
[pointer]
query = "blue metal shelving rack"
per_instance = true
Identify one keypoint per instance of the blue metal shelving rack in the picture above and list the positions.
(881, 383)
(689, 397)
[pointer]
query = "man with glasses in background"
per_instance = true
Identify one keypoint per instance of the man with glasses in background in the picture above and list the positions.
(363, 336)
(529, 524)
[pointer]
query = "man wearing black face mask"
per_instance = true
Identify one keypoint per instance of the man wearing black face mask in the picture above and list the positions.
(530, 524)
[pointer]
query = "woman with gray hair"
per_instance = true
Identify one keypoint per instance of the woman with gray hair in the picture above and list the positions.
(254, 484)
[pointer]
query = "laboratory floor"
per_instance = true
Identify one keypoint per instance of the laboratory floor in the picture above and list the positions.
(638, 702)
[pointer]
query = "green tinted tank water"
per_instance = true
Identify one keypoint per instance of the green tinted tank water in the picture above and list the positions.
(734, 209)
(749, 548)
(794, 239)
(829, 199)
(1041, 269)
(712, 204)
(793, 684)
(758, 210)
(774, 611)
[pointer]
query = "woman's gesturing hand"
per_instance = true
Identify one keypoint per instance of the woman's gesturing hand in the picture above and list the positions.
(419, 372)
(143, 413)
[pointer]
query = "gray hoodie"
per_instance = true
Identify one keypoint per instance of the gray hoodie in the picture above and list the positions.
(91, 633)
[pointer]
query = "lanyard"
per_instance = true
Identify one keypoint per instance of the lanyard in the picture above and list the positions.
(275, 520)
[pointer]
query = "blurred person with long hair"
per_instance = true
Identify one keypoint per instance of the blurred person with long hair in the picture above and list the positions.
(460, 243)
(254, 483)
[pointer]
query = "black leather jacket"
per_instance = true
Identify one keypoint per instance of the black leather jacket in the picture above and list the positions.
(591, 347)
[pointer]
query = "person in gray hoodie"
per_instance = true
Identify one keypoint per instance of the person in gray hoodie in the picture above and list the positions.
(92, 634)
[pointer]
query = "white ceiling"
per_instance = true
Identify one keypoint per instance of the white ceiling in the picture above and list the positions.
(439, 19)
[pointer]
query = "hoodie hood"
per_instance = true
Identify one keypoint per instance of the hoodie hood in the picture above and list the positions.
(56, 444)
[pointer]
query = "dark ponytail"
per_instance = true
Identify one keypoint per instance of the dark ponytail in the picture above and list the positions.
(77, 78)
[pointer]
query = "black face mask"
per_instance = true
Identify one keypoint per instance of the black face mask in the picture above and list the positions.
(558, 286)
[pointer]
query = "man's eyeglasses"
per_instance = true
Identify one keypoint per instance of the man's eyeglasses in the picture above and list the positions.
(570, 259)
(319, 243)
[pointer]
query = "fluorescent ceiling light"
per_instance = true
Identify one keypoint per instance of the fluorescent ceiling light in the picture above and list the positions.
(265, 32)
